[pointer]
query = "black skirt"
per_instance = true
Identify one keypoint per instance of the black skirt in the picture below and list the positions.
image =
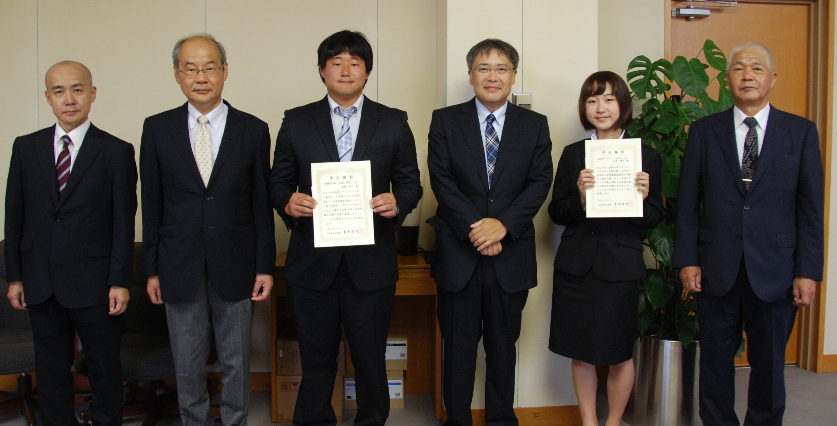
(593, 321)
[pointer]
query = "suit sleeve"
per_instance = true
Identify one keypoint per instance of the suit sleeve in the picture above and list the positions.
(525, 206)
(284, 176)
(688, 201)
(565, 207)
(124, 212)
(262, 211)
(652, 205)
(406, 179)
(152, 199)
(13, 227)
(458, 207)
(810, 232)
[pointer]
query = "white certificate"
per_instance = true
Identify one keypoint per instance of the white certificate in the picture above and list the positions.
(615, 163)
(343, 216)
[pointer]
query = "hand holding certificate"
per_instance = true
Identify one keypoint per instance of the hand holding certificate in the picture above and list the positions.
(615, 164)
(343, 216)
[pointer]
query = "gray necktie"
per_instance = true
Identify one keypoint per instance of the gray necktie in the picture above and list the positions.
(751, 152)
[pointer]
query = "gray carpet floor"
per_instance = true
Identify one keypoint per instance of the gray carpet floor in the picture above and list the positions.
(811, 401)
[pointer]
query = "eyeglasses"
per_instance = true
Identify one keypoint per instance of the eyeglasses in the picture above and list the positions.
(208, 71)
(499, 69)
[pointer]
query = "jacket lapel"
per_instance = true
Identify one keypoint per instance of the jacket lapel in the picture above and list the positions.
(45, 157)
(232, 133)
(85, 157)
(321, 114)
(368, 123)
(179, 130)
(725, 136)
(771, 146)
(511, 129)
(470, 126)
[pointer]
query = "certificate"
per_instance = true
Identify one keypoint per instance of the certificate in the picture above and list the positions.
(343, 216)
(615, 163)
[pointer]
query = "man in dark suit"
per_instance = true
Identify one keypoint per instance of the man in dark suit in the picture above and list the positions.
(749, 236)
(71, 198)
(208, 240)
(354, 285)
(490, 168)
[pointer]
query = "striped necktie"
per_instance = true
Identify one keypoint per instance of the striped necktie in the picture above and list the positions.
(344, 141)
(492, 145)
(751, 152)
(62, 165)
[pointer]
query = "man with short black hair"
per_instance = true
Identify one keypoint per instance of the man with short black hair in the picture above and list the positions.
(353, 286)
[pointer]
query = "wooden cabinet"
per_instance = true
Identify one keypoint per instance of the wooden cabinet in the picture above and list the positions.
(414, 314)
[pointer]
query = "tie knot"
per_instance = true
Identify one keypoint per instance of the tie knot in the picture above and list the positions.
(66, 140)
(490, 119)
(751, 122)
(345, 112)
(203, 120)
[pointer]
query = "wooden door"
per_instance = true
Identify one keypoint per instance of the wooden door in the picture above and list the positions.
(785, 29)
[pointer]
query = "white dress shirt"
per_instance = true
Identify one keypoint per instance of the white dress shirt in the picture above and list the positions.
(499, 121)
(76, 135)
(216, 125)
(595, 137)
(742, 128)
(337, 120)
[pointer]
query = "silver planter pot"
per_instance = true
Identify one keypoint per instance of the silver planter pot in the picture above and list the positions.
(666, 384)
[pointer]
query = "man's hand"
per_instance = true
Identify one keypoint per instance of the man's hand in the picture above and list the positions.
(153, 290)
(486, 232)
(119, 297)
(585, 180)
(690, 275)
(384, 204)
(804, 290)
(15, 295)
(493, 249)
(261, 290)
(300, 205)
(643, 182)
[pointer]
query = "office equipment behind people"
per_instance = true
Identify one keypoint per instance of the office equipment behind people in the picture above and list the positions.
(71, 198)
(598, 263)
(208, 240)
(490, 168)
(749, 236)
(349, 286)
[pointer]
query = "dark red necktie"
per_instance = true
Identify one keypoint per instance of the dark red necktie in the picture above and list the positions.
(62, 165)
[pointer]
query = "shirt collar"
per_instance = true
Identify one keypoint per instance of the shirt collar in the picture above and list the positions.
(499, 114)
(738, 116)
(215, 117)
(358, 104)
(593, 137)
(76, 135)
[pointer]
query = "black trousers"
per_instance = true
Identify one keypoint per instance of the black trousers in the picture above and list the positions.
(482, 309)
(53, 328)
(768, 326)
(366, 317)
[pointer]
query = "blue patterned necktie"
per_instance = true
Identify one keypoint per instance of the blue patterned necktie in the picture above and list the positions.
(751, 152)
(492, 145)
(344, 141)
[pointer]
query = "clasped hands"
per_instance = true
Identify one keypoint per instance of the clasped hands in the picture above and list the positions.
(303, 205)
(587, 180)
(486, 235)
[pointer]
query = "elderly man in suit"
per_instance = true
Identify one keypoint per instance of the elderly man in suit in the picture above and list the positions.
(71, 198)
(353, 286)
(208, 240)
(749, 236)
(490, 168)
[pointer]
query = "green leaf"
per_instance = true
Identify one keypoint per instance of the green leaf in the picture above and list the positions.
(741, 347)
(644, 321)
(645, 76)
(710, 106)
(671, 183)
(722, 79)
(686, 329)
(669, 118)
(692, 111)
(714, 55)
(658, 289)
(661, 241)
(690, 76)
(725, 100)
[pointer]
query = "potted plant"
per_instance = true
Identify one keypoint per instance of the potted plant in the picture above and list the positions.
(667, 354)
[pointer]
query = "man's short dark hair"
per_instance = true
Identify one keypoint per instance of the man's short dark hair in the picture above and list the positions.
(486, 46)
(353, 42)
(175, 53)
(595, 85)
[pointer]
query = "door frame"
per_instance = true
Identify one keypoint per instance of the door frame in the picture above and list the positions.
(820, 101)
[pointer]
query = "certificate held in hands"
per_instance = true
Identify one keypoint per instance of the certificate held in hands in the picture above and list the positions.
(343, 216)
(615, 163)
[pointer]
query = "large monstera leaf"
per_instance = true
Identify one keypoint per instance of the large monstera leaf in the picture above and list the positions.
(691, 76)
(714, 56)
(645, 76)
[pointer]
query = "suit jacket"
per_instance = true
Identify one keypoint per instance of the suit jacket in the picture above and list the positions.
(80, 245)
(776, 225)
(385, 139)
(225, 226)
(611, 247)
(521, 180)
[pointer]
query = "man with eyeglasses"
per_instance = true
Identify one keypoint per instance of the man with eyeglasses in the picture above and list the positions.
(208, 235)
(490, 168)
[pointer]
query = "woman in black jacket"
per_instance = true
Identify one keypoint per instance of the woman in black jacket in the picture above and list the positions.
(599, 260)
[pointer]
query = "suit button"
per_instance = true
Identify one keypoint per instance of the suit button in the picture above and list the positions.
(593, 232)
(201, 227)
(490, 200)
(746, 207)
(208, 198)
(739, 237)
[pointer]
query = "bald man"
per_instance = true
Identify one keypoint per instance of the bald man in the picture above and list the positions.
(70, 206)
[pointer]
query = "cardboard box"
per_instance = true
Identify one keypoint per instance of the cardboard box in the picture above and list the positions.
(287, 389)
(396, 391)
(396, 352)
(288, 362)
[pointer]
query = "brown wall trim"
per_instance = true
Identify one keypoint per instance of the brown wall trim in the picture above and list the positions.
(564, 415)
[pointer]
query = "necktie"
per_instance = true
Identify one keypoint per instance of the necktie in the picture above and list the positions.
(62, 165)
(344, 141)
(203, 150)
(492, 145)
(751, 152)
